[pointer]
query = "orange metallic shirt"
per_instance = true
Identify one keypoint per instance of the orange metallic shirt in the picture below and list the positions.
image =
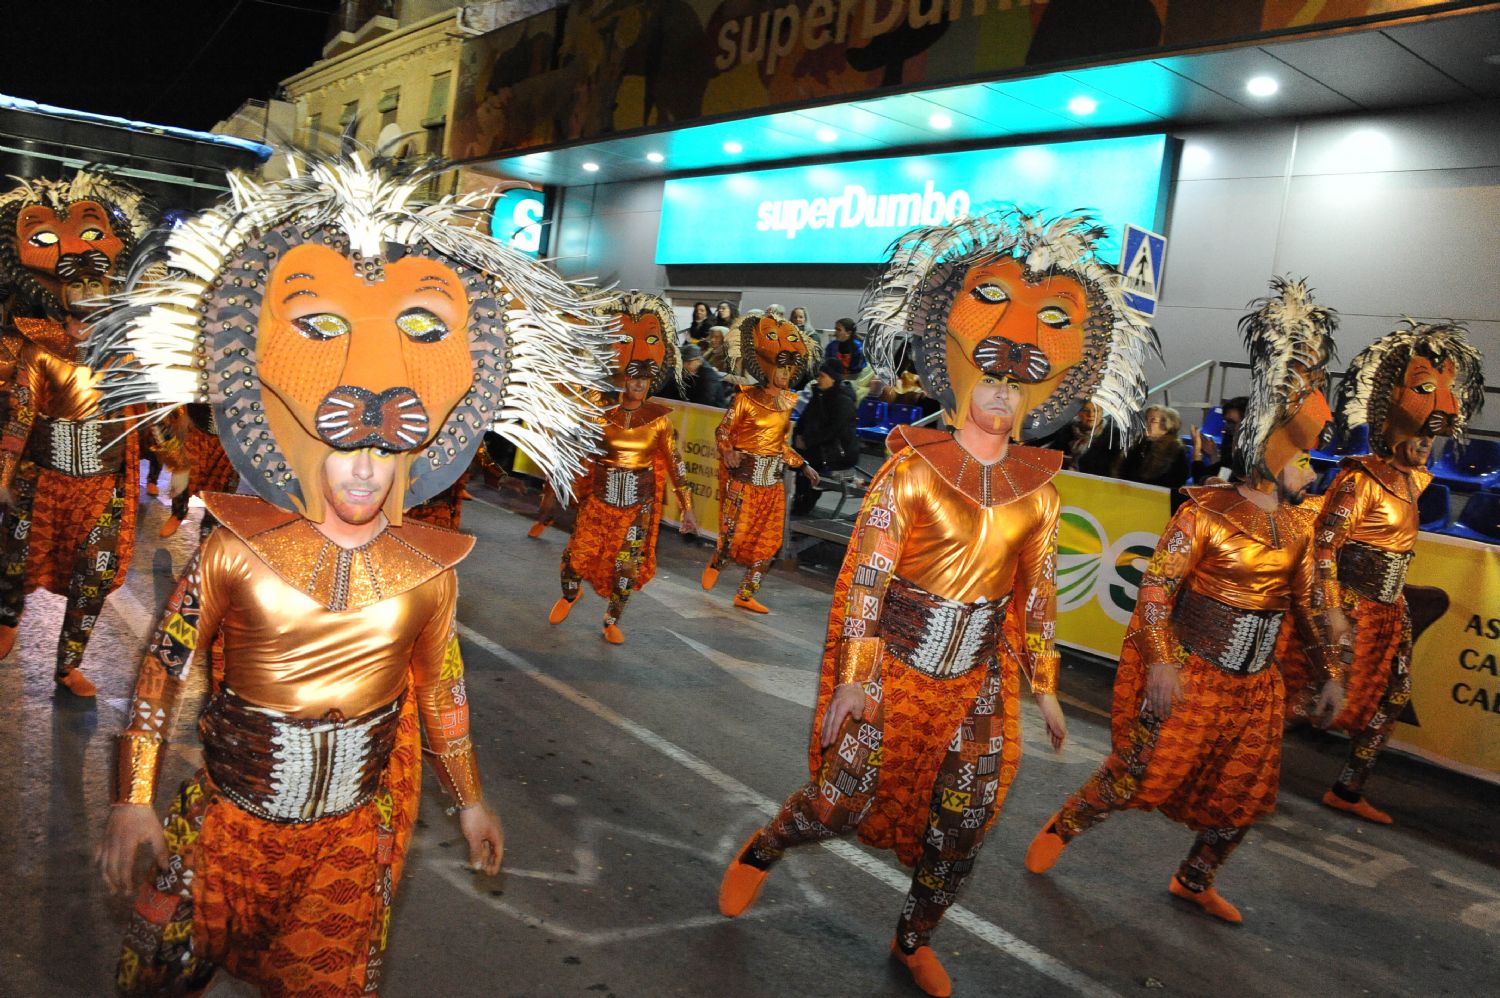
(759, 421)
(1372, 502)
(1221, 545)
(309, 629)
(961, 530)
(639, 439)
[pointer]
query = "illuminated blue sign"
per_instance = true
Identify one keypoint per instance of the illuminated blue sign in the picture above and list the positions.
(850, 212)
(517, 219)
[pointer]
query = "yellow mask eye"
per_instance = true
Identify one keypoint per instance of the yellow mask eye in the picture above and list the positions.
(771, 335)
(421, 325)
(991, 294)
(1425, 388)
(1054, 317)
(321, 326)
(653, 339)
(91, 235)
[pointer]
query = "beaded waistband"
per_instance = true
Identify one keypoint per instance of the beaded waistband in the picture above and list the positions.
(1373, 572)
(623, 487)
(1235, 640)
(82, 448)
(288, 769)
(940, 637)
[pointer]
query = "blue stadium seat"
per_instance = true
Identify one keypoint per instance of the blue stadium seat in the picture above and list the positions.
(1356, 442)
(1325, 479)
(1480, 520)
(1213, 424)
(1476, 467)
(901, 414)
(1435, 507)
(872, 420)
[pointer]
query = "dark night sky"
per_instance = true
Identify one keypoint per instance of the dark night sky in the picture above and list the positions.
(171, 62)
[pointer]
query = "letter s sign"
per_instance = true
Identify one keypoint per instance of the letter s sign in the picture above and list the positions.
(517, 220)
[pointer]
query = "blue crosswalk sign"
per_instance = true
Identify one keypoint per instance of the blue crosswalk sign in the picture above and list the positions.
(1141, 267)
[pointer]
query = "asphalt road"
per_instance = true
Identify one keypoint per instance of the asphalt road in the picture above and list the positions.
(627, 776)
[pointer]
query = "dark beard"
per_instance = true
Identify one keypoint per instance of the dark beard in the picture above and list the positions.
(1284, 495)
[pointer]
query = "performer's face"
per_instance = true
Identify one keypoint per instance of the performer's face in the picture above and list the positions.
(356, 483)
(1295, 479)
(1413, 452)
(636, 389)
(993, 405)
(1004, 325)
(1422, 404)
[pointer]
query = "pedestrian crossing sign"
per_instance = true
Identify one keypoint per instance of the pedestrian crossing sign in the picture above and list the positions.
(1140, 268)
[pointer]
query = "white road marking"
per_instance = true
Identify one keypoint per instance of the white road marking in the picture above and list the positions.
(1000, 939)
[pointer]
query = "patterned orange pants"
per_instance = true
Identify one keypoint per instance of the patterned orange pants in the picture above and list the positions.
(752, 519)
(299, 910)
(210, 471)
(1213, 764)
(613, 548)
(905, 781)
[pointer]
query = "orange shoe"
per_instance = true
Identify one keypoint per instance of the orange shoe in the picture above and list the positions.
(169, 527)
(560, 610)
(926, 970)
(710, 577)
(152, 490)
(741, 884)
(537, 529)
(76, 683)
(464, 495)
(751, 604)
(8, 639)
(613, 634)
(1360, 808)
(1042, 854)
(1210, 901)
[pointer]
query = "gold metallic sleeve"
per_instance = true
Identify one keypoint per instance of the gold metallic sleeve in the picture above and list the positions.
(1036, 584)
(443, 702)
(859, 660)
(1341, 511)
(137, 764)
(457, 772)
(1176, 553)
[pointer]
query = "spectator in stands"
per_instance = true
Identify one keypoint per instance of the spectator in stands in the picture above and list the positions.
(1160, 457)
(849, 352)
(700, 382)
(1210, 459)
(697, 332)
(724, 315)
(825, 432)
(716, 354)
(1085, 445)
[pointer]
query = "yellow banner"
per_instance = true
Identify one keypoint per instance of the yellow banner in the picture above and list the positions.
(1454, 715)
(1106, 534)
(695, 425)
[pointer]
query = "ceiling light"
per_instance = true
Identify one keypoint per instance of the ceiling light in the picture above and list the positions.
(1083, 105)
(1261, 86)
(733, 148)
(826, 135)
(941, 122)
(655, 157)
(591, 167)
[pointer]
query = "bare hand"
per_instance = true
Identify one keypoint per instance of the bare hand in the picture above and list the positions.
(813, 478)
(1204, 447)
(848, 701)
(1163, 689)
(732, 458)
(481, 827)
(130, 827)
(1330, 703)
(1052, 714)
(689, 521)
(1336, 623)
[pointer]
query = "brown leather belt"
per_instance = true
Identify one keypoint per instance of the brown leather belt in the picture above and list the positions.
(623, 488)
(84, 448)
(940, 637)
(289, 769)
(1373, 572)
(1235, 640)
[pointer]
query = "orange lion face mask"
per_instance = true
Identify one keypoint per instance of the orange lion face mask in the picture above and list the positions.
(644, 353)
(780, 348)
(1423, 403)
(1006, 327)
(1308, 424)
(65, 253)
(352, 360)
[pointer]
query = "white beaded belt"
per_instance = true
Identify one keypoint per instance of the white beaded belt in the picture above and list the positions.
(288, 769)
(624, 487)
(72, 447)
(767, 469)
(940, 637)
